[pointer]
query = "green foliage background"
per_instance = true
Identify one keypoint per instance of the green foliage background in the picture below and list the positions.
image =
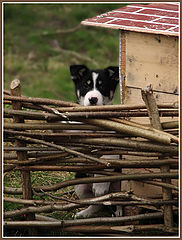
(32, 44)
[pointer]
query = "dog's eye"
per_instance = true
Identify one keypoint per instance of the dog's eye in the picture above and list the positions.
(100, 82)
(88, 82)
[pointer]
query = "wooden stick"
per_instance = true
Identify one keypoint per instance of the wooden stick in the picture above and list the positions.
(150, 102)
(6, 92)
(113, 163)
(123, 128)
(64, 136)
(132, 153)
(60, 158)
(81, 115)
(33, 115)
(148, 98)
(13, 191)
(25, 105)
(28, 139)
(115, 108)
(57, 186)
(37, 154)
(112, 108)
(61, 207)
(138, 203)
(79, 222)
(37, 160)
(8, 167)
(105, 202)
(103, 229)
(105, 179)
(103, 134)
(162, 184)
(43, 150)
(143, 128)
(50, 126)
(170, 125)
(110, 114)
(62, 168)
(15, 89)
(70, 126)
(76, 107)
(31, 202)
(44, 101)
(43, 218)
(51, 152)
(132, 144)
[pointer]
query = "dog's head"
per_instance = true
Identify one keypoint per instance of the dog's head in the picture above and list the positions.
(94, 87)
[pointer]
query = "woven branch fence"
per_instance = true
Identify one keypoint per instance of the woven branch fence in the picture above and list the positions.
(78, 138)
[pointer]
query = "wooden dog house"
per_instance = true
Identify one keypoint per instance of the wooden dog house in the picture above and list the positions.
(148, 36)
(148, 47)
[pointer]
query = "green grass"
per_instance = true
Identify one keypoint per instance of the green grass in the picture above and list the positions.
(41, 178)
(30, 55)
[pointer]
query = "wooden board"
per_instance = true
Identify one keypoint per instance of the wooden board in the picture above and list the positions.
(148, 59)
(151, 59)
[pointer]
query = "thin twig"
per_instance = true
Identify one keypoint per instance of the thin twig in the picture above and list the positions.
(155, 90)
(65, 149)
(78, 222)
(106, 179)
(45, 101)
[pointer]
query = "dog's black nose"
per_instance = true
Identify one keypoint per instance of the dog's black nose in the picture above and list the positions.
(93, 100)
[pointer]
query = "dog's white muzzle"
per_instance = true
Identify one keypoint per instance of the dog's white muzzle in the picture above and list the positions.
(93, 97)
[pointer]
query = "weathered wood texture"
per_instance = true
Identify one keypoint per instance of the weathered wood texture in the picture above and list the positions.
(22, 155)
(151, 59)
(148, 59)
(82, 151)
(150, 102)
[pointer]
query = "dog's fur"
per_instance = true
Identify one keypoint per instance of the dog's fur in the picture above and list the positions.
(95, 87)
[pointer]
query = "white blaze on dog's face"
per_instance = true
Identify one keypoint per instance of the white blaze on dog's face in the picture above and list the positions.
(94, 87)
(93, 97)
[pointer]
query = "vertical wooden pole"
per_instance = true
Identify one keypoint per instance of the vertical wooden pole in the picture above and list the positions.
(122, 64)
(15, 89)
(122, 73)
(152, 109)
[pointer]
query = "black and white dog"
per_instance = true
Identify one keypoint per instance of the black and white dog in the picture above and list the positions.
(95, 87)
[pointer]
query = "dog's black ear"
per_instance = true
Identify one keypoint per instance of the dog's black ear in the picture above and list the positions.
(113, 73)
(78, 71)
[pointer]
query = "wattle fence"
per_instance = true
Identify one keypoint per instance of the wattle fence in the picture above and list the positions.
(79, 136)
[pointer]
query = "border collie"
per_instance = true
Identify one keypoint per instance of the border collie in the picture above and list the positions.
(95, 87)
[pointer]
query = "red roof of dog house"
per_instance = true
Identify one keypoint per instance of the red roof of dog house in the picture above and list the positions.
(157, 18)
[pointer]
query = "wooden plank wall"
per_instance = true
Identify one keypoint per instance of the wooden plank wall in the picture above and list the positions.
(148, 59)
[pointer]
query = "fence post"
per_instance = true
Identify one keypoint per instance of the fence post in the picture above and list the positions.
(15, 89)
(148, 98)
